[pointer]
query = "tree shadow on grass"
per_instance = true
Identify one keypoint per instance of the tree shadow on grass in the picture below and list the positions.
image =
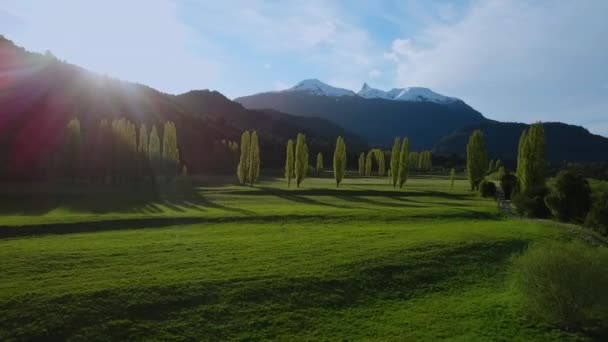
(143, 198)
(262, 306)
(349, 192)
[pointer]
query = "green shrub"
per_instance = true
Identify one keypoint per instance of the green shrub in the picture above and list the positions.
(597, 218)
(570, 199)
(565, 284)
(487, 188)
(532, 202)
(508, 182)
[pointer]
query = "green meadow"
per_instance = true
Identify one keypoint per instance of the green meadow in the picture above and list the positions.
(203, 259)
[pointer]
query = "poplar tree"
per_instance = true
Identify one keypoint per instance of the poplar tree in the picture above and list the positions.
(154, 145)
(289, 163)
(414, 161)
(254, 159)
(498, 164)
(381, 162)
(492, 167)
(339, 161)
(531, 158)
(362, 164)
(395, 152)
(244, 161)
(403, 162)
(154, 151)
(143, 140)
(477, 160)
(72, 148)
(452, 178)
(319, 163)
(170, 150)
(301, 162)
(368, 163)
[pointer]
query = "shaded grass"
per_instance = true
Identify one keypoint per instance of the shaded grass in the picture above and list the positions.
(362, 262)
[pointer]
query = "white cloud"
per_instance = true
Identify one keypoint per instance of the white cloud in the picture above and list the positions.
(267, 66)
(138, 40)
(514, 60)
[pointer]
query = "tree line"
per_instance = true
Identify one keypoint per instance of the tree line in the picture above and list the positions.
(120, 152)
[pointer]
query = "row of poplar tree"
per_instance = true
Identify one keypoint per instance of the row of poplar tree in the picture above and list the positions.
(530, 159)
(115, 152)
(416, 161)
(248, 169)
(297, 161)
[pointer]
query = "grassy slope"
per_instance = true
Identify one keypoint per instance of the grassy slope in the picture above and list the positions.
(364, 262)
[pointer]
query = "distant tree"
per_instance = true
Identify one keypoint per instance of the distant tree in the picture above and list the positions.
(491, 167)
(254, 159)
(531, 158)
(425, 162)
(414, 161)
(379, 154)
(477, 160)
(452, 178)
(154, 145)
(154, 151)
(244, 162)
(570, 198)
(72, 148)
(508, 182)
(362, 164)
(301, 162)
(170, 150)
(498, 164)
(289, 163)
(500, 173)
(339, 161)
(369, 163)
(143, 140)
(395, 153)
(319, 168)
(403, 162)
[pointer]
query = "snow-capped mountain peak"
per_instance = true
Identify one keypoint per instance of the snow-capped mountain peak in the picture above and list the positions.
(372, 93)
(316, 87)
(418, 94)
(411, 94)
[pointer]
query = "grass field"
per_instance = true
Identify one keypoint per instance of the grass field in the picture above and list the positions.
(225, 262)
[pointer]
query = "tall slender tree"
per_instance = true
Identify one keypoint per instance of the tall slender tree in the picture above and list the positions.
(403, 161)
(319, 167)
(254, 159)
(492, 166)
(170, 150)
(381, 162)
(72, 148)
(143, 140)
(339, 161)
(477, 160)
(289, 163)
(414, 161)
(369, 163)
(531, 158)
(362, 164)
(395, 153)
(301, 162)
(244, 162)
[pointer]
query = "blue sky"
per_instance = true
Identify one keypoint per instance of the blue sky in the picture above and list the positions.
(511, 60)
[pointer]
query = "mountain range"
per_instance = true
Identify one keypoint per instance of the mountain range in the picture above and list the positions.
(39, 94)
(430, 120)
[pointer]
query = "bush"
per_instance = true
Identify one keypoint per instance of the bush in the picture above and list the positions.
(532, 203)
(565, 283)
(597, 218)
(508, 182)
(487, 188)
(570, 200)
